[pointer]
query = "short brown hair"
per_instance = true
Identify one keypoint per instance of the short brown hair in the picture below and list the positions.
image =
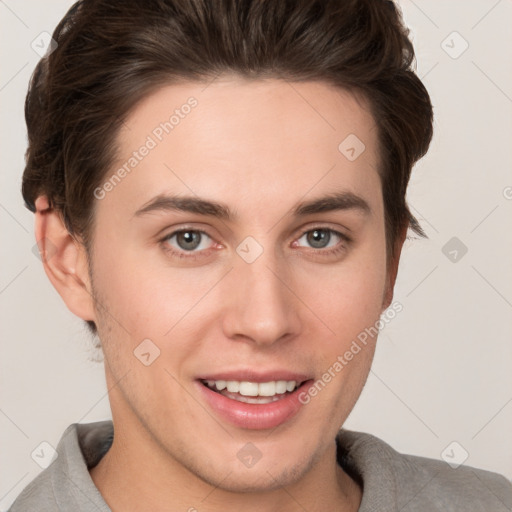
(113, 53)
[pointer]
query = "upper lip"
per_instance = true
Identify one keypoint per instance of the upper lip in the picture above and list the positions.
(247, 375)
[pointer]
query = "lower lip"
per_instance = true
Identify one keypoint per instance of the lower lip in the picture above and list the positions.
(254, 416)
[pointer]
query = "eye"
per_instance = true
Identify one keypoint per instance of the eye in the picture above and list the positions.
(188, 240)
(323, 238)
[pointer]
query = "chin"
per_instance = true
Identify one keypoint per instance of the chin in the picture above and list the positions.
(251, 470)
(259, 480)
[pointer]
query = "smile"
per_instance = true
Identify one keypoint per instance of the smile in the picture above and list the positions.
(253, 392)
(253, 403)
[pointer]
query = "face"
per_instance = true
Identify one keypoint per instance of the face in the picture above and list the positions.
(226, 288)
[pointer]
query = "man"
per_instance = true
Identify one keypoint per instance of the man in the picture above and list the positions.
(222, 187)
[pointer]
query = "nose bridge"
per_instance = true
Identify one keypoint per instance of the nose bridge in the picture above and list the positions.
(261, 307)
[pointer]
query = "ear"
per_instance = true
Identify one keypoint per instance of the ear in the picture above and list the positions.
(393, 268)
(64, 260)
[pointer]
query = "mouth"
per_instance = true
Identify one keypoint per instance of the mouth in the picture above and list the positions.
(254, 401)
(253, 392)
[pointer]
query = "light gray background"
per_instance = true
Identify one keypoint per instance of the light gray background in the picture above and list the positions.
(442, 367)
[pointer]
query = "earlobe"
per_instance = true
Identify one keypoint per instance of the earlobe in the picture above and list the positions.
(64, 260)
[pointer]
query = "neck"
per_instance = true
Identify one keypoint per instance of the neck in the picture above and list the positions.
(138, 474)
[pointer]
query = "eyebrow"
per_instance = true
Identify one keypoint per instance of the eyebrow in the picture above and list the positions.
(344, 200)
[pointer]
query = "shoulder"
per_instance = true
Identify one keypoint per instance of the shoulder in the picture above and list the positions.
(37, 495)
(66, 484)
(437, 484)
(417, 484)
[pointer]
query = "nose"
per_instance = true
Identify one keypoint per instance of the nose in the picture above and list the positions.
(261, 307)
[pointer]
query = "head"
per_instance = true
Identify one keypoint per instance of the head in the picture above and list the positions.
(284, 134)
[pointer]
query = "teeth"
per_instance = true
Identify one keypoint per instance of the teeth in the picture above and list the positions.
(281, 386)
(220, 384)
(267, 389)
(246, 388)
(233, 386)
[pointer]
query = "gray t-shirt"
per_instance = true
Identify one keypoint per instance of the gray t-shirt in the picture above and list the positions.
(391, 481)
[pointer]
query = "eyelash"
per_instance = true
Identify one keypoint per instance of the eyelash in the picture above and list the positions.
(193, 255)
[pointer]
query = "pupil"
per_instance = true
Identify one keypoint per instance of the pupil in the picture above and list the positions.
(319, 238)
(188, 239)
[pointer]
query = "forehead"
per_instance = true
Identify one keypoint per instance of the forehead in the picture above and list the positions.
(250, 143)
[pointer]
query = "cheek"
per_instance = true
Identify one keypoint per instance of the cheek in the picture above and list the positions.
(347, 297)
(349, 302)
(354, 299)
(146, 296)
(120, 283)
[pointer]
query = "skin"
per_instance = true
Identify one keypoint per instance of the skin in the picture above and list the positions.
(260, 147)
